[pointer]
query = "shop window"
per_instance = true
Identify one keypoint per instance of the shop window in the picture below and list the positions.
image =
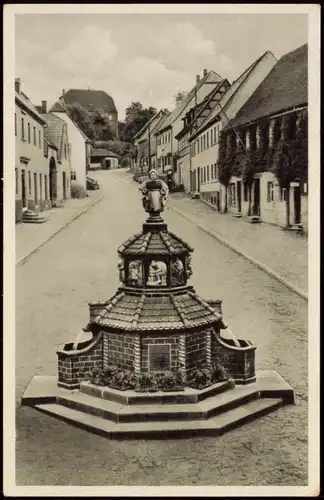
(269, 192)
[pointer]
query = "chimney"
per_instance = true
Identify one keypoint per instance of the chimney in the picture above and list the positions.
(17, 85)
(197, 79)
(44, 107)
(205, 73)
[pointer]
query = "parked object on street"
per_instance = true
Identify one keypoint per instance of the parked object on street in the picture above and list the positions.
(157, 364)
(92, 184)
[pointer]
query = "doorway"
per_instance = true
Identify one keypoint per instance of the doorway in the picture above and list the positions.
(23, 190)
(53, 182)
(218, 201)
(64, 185)
(239, 196)
(297, 205)
(256, 197)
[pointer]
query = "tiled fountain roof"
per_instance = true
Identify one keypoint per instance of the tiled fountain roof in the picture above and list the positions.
(160, 243)
(155, 313)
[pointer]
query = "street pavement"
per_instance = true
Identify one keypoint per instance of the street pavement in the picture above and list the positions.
(53, 289)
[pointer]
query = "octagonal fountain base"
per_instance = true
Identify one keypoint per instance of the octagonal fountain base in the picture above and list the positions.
(129, 414)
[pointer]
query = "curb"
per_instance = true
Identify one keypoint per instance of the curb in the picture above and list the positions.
(24, 259)
(258, 264)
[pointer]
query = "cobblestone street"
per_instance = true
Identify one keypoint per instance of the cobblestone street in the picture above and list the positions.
(79, 264)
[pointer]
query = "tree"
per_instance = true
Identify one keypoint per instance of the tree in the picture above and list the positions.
(94, 125)
(179, 96)
(135, 118)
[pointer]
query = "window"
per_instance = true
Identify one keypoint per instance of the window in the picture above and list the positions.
(17, 183)
(65, 151)
(205, 176)
(211, 137)
(207, 173)
(23, 129)
(201, 175)
(245, 192)
(15, 123)
(29, 183)
(40, 139)
(28, 132)
(216, 171)
(269, 192)
(207, 138)
(204, 142)
(40, 187)
(73, 175)
(34, 136)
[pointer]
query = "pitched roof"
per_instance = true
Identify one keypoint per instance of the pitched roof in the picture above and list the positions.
(61, 108)
(227, 97)
(185, 102)
(157, 313)
(26, 102)
(145, 126)
(103, 152)
(285, 87)
(90, 99)
(161, 243)
(54, 129)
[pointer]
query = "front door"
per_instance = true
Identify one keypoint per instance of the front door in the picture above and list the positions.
(297, 205)
(256, 198)
(239, 196)
(23, 190)
(218, 201)
(64, 185)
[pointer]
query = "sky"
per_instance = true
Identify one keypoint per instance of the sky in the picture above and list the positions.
(143, 57)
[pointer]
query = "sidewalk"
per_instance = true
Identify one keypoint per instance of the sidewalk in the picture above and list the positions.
(30, 237)
(282, 254)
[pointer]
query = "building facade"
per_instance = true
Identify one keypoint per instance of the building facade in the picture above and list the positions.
(31, 169)
(204, 142)
(167, 143)
(273, 125)
(79, 146)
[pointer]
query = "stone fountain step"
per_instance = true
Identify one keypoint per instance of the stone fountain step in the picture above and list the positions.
(167, 429)
(188, 395)
(156, 412)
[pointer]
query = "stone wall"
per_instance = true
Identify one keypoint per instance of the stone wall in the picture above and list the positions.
(238, 361)
(118, 350)
(74, 365)
(173, 340)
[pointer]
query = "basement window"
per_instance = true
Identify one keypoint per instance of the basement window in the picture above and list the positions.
(159, 357)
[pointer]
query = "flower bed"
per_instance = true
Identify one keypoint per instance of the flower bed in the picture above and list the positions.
(123, 380)
(205, 377)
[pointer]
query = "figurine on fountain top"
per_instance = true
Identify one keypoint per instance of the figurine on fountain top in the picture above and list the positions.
(155, 193)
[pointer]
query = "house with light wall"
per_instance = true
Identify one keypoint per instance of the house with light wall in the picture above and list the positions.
(79, 145)
(204, 141)
(146, 143)
(31, 167)
(167, 144)
(274, 114)
(57, 154)
(192, 120)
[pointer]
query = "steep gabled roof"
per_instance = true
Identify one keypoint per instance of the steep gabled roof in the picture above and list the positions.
(90, 99)
(203, 107)
(285, 87)
(54, 129)
(24, 101)
(156, 118)
(61, 108)
(182, 105)
(227, 97)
